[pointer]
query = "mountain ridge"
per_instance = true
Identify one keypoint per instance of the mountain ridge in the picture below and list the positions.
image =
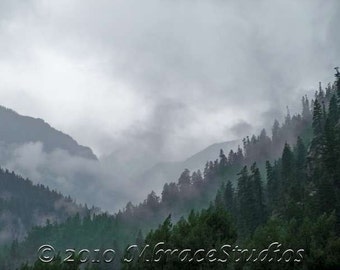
(20, 129)
(166, 171)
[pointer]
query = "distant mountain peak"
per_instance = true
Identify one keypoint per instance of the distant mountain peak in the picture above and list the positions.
(20, 129)
(211, 152)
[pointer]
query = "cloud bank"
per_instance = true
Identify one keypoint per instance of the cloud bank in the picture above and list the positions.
(159, 79)
(85, 180)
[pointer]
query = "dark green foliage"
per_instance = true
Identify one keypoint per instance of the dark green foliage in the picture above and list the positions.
(259, 206)
(250, 201)
(300, 205)
(24, 205)
(56, 264)
(273, 185)
(306, 112)
(321, 247)
(229, 199)
(297, 203)
(208, 229)
(317, 119)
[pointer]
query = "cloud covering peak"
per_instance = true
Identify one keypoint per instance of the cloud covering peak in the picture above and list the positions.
(163, 79)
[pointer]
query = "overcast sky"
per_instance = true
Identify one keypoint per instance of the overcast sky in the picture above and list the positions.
(167, 77)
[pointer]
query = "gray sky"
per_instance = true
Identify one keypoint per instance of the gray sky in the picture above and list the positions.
(163, 77)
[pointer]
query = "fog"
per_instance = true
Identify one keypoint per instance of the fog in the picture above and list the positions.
(156, 79)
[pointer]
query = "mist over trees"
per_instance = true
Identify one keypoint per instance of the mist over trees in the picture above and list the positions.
(24, 205)
(281, 188)
(295, 203)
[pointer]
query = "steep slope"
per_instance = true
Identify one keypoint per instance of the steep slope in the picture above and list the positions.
(24, 205)
(168, 171)
(210, 153)
(298, 207)
(35, 150)
(19, 129)
(192, 191)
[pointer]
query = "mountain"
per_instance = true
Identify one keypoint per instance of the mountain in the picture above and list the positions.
(151, 174)
(297, 206)
(18, 129)
(210, 153)
(295, 203)
(24, 205)
(218, 185)
(33, 149)
(163, 172)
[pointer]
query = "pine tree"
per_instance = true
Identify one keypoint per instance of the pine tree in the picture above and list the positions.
(229, 197)
(243, 200)
(333, 115)
(306, 112)
(300, 153)
(317, 119)
(337, 85)
(287, 168)
(223, 160)
(219, 199)
(170, 194)
(184, 181)
(272, 187)
(257, 190)
(152, 202)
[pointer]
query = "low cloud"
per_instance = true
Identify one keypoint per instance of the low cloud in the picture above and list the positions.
(151, 81)
(241, 129)
(87, 181)
(169, 76)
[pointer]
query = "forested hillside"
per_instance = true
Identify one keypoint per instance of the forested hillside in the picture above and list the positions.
(296, 211)
(24, 206)
(281, 188)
